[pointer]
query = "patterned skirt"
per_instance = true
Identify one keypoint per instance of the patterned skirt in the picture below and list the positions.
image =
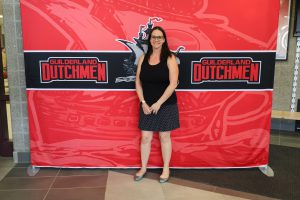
(166, 119)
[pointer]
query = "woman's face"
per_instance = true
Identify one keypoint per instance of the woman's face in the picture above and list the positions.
(157, 39)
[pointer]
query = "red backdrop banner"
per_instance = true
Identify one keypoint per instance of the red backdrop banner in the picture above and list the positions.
(80, 60)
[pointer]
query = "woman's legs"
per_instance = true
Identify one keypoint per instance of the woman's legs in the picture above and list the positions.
(145, 150)
(166, 149)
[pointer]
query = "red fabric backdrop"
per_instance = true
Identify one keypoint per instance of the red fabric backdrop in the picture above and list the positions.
(98, 128)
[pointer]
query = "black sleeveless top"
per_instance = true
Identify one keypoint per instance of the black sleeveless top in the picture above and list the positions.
(155, 80)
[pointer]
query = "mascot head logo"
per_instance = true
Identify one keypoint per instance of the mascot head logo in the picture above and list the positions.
(138, 48)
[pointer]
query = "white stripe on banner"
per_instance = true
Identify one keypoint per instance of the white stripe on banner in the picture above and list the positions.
(177, 90)
(113, 51)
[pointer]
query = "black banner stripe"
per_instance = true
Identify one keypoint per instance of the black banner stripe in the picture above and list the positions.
(114, 70)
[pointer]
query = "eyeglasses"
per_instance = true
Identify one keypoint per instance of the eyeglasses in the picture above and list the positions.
(153, 37)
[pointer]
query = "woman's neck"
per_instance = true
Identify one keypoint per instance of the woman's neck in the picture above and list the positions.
(156, 52)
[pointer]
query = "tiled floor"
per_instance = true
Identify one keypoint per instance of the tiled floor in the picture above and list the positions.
(6, 164)
(106, 184)
(118, 184)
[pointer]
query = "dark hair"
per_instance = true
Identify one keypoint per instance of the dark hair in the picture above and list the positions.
(165, 51)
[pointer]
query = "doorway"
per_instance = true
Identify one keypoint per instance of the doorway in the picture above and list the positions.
(6, 145)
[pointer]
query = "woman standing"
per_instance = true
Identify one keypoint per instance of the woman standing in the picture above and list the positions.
(156, 80)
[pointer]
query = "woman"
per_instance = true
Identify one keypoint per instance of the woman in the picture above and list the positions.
(156, 80)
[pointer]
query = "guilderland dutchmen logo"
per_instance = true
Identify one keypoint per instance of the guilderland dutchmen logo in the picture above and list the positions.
(228, 69)
(137, 48)
(73, 69)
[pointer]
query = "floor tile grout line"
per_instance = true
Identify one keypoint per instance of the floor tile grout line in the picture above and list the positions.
(51, 185)
(21, 167)
(10, 190)
(74, 175)
(98, 187)
(27, 177)
(6, 167)
(52, 176)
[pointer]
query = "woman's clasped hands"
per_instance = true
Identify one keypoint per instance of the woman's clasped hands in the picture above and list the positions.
(151, 109)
